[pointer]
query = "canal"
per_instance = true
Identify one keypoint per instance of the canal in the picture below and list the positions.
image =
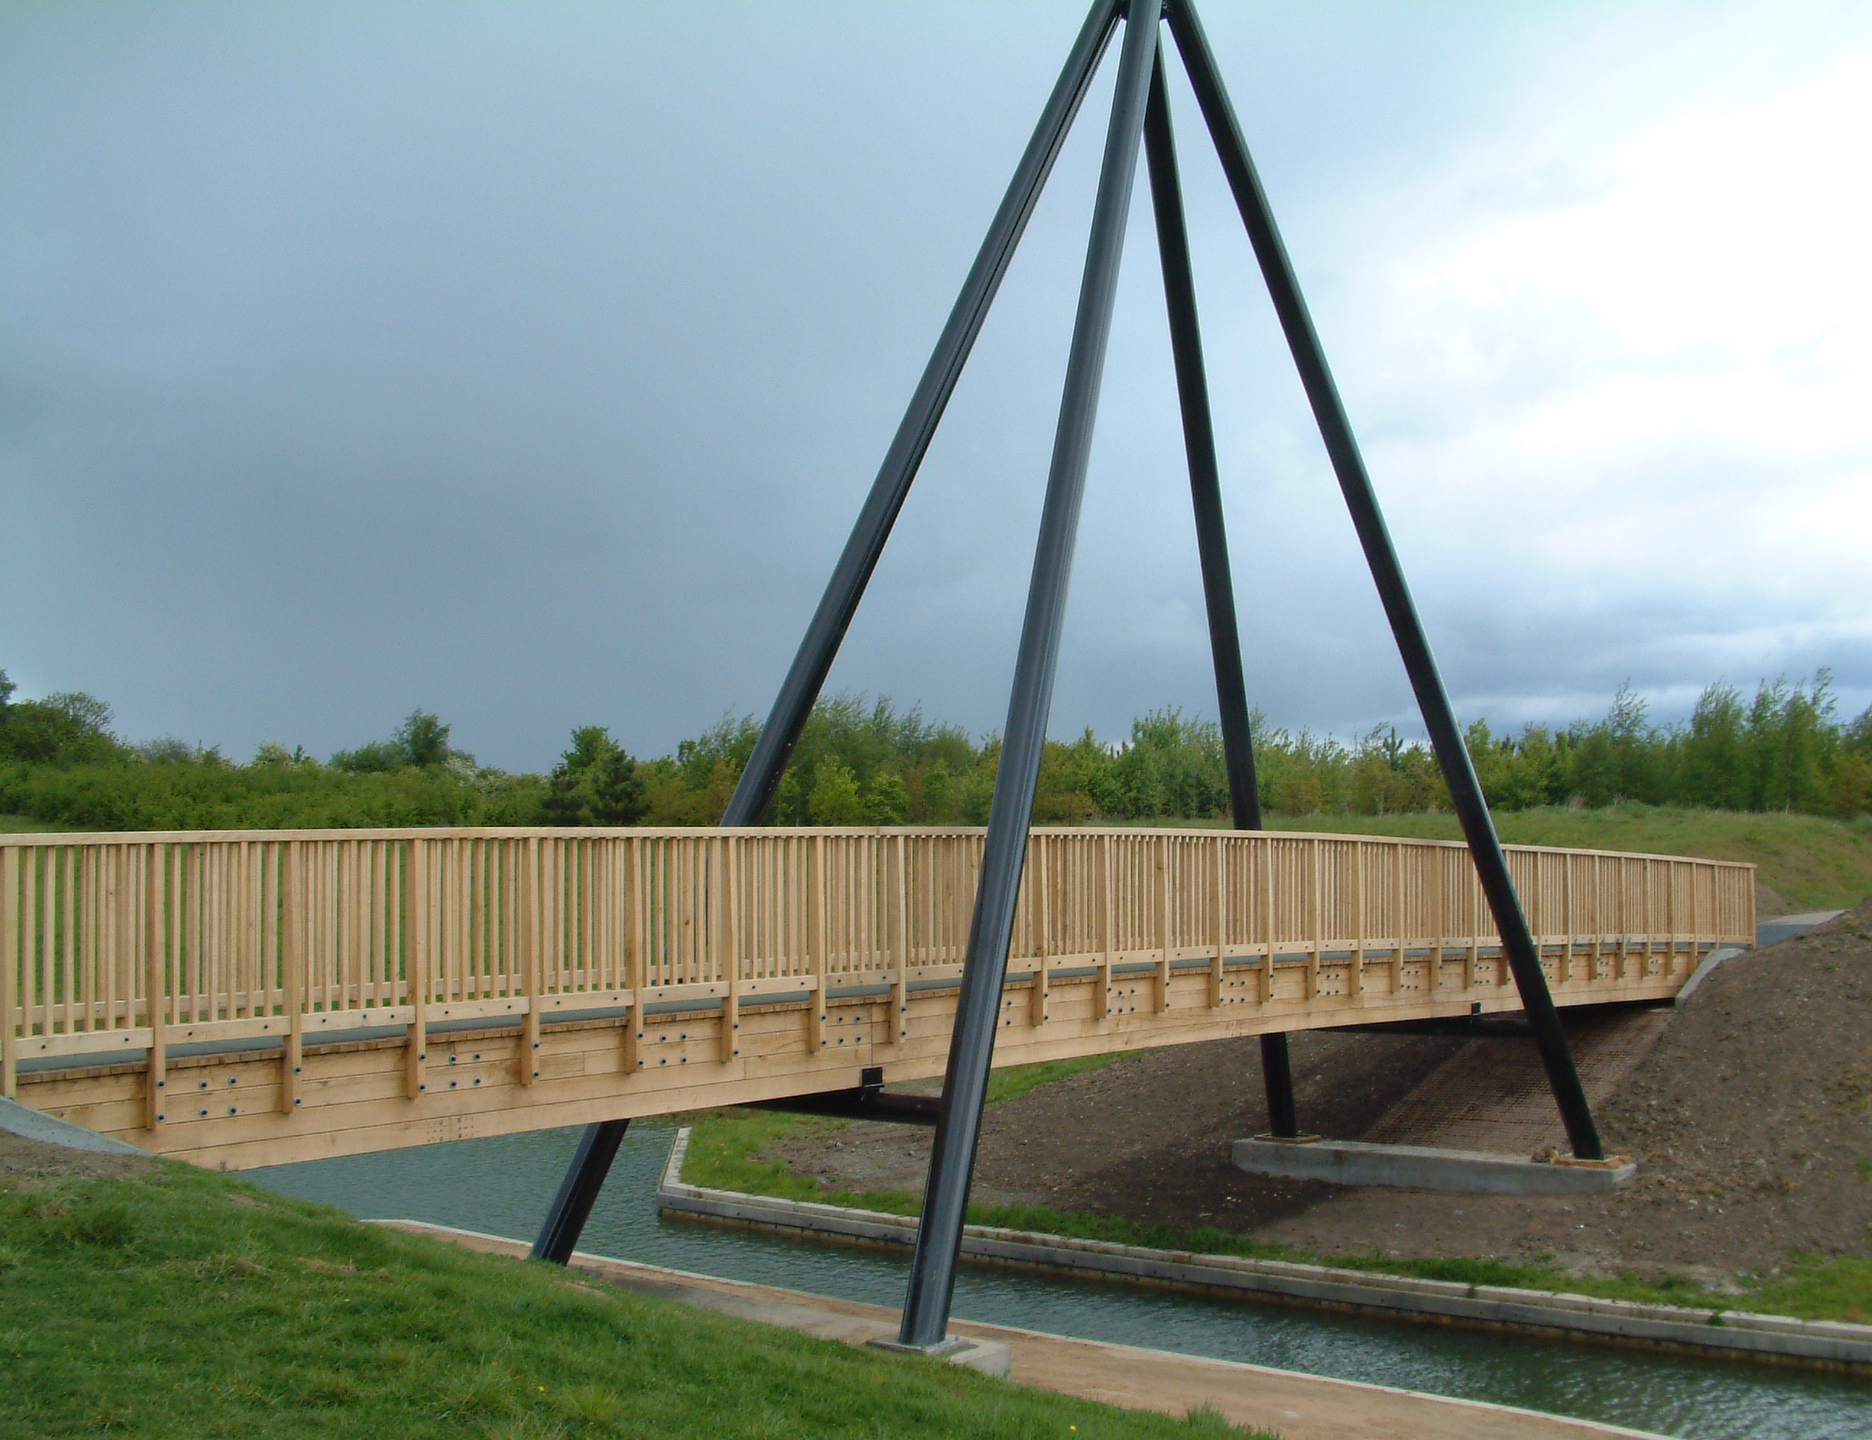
(502, 1186)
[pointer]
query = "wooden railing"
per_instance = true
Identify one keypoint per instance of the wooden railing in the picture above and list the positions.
(121, 943)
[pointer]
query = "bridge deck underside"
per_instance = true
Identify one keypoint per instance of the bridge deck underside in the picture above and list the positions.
(571, 978)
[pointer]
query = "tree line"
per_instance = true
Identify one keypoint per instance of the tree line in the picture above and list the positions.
(866, 762)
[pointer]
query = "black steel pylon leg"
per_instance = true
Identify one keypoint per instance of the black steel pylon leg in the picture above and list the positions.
(1211, 534)
(1277, 1077)
(754, 790)
(978, 1006)
(578, 1191)
(1388, 575)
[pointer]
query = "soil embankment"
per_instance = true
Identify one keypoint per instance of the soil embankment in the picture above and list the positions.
(1749, 1110)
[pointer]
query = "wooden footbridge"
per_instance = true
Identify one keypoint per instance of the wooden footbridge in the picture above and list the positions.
(242, 999)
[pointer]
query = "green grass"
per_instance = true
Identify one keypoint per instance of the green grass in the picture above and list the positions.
(191, 1305)
(1810, 859)
(725, 1146)
(26, 825)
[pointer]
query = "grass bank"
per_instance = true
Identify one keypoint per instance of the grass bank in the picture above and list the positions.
(1813, 861)
(26, 825)
(726, 1149)
(186, 1304)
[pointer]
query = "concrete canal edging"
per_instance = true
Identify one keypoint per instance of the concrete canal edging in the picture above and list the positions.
(1772, 1339)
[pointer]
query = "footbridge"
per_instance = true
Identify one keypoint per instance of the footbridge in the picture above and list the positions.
(252, 998)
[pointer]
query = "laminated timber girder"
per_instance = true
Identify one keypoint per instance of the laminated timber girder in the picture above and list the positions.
(331, 993)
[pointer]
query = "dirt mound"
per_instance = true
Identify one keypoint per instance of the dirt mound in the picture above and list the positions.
(23, 1159)
(1749, 1110)
(1751, 1120)
(1146, 1136)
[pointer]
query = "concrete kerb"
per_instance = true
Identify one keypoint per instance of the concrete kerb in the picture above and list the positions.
(1774, 1339)
(1424, 1167)
(991, 1357)
(1705, 970)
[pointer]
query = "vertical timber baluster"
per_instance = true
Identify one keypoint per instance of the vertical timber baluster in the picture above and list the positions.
(532, 967)
(727, 851)
(1101, 986)
(1360, 925)
(634, 926)
(416, 964)
(292, 976)
(1268, 852)
(1397, 953)
(13, 958)
(1163, 951)
(1318, 900)
(1218, 980)
(155, 985)
(900, 982)
(1696, 930)
(1572, 923)
(1040, 914)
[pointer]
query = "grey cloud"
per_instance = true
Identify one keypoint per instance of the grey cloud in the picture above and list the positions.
(529, 365)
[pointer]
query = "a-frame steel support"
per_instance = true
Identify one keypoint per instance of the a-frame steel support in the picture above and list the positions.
(1140, 112)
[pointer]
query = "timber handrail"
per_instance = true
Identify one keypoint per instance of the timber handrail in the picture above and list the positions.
(136, 943)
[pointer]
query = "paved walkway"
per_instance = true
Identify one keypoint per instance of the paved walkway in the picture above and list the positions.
(1785, 927)
(1291, 1405)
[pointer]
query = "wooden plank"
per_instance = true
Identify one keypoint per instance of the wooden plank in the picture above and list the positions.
(1041, 902)
(819, 928)
(11, 963)
(156, 990)
(1397, 950)
(1317, 901)
(900, 945)
(634, 932)
(1218, 980)
(1165, 938)
(416, 984)
(292, 975)
(767, 924)
(1109, 905)
(725, 902)
(532, 963)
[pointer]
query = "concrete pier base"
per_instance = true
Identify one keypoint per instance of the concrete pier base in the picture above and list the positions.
(1422, 1167)
(991, 1357)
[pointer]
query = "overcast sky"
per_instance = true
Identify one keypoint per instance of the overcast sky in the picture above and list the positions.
(529, 363)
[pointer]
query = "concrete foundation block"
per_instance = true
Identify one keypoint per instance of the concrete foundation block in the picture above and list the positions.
(1422, 1167)
(991, 1357)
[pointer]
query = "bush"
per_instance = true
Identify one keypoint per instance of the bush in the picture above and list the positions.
(863, 762)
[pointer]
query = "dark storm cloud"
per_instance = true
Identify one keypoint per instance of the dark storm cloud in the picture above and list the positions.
(529, 365)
